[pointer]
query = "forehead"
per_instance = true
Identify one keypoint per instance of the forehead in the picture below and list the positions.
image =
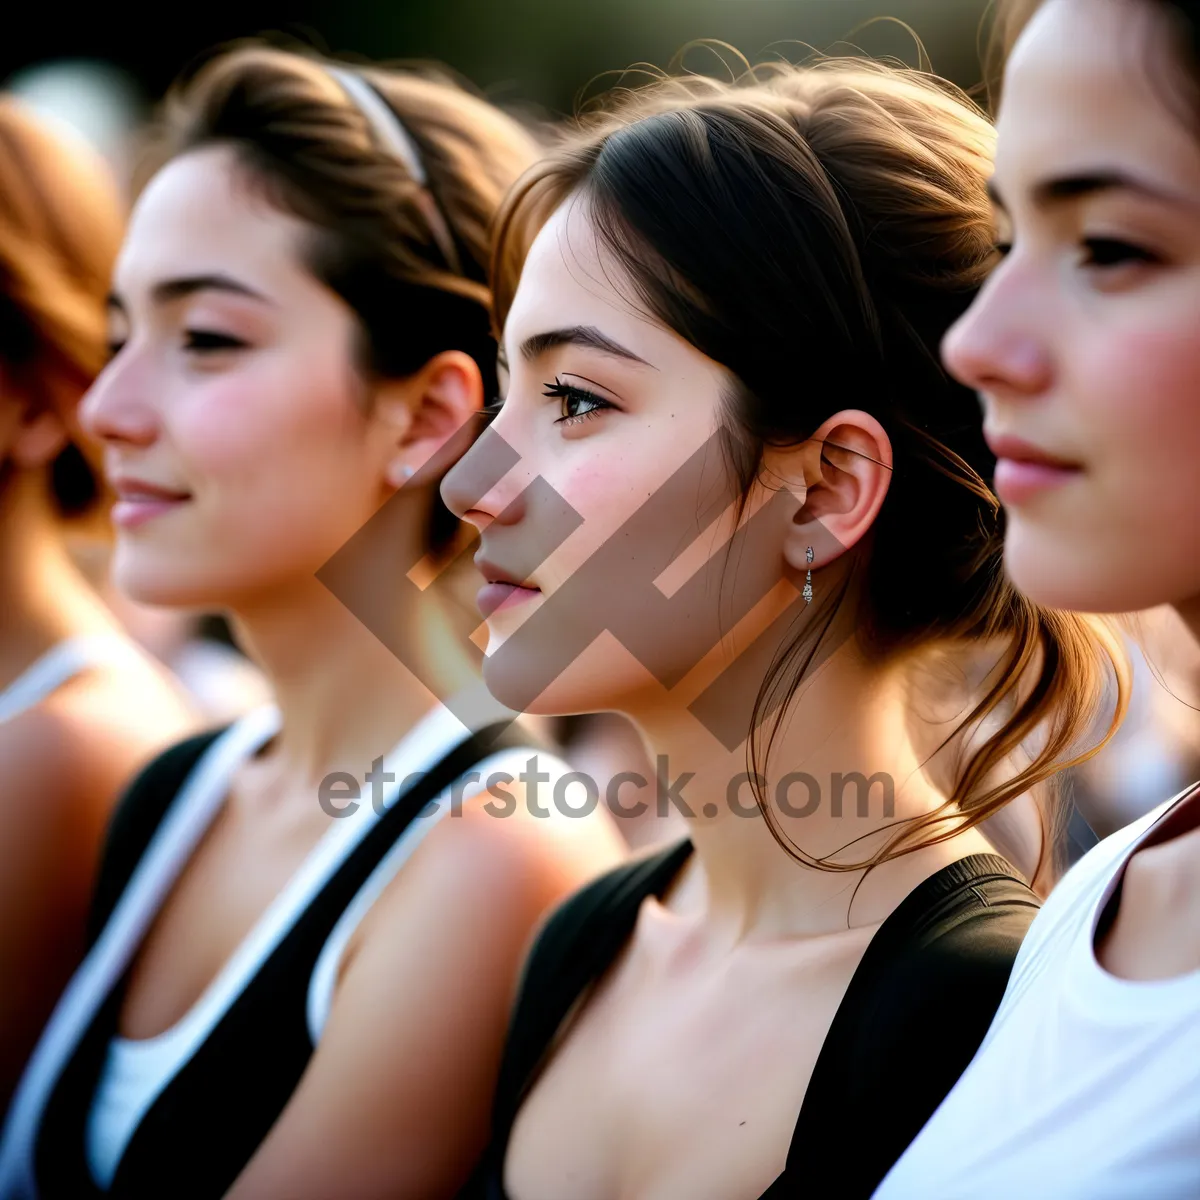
(199, 215)
(569, 279)
(1089, 83)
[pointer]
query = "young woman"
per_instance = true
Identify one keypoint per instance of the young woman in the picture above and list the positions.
(731, 494)
(301, 979)
(1085, 347)
(80, 709)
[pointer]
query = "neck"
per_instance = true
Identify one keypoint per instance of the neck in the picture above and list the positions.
(44, 596)
(850, 719)
(350, 686)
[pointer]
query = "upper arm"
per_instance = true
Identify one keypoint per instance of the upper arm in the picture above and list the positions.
(396, 1100)
(63, 764)
(53, 813)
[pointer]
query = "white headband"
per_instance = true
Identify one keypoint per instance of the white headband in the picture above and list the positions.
(384, 123)
(389, 131)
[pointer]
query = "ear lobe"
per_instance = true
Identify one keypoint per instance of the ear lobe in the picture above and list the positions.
(846, 489)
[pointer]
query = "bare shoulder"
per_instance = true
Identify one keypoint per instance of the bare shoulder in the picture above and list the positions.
(498, 859)
(111, 721)
(77, 749)
(1156, 934)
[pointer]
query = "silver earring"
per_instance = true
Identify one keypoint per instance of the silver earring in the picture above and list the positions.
(807, 593)
(407, 472)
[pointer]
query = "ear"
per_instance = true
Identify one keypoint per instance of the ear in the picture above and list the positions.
(847, 468)
(425, 411)
(38, 437)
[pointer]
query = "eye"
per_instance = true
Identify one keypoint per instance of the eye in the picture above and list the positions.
(578, 404)
(1002, 249)
(1112, 252)
(205, 341)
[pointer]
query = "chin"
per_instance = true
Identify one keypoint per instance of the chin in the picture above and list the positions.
(165, 581)
(516, 689)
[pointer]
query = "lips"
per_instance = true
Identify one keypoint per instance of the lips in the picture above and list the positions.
(1024, 470)
(140, 500)
(502, 589)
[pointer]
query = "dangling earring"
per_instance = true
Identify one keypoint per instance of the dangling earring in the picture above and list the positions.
(807, 593)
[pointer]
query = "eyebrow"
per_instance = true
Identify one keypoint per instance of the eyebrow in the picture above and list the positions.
(169, 290)
(577, 335)
(1051, 193)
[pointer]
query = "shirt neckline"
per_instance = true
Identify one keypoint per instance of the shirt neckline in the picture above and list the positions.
(1095, 982)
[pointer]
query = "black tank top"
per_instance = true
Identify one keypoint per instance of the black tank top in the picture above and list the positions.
(918, 1005)
(202, 1129)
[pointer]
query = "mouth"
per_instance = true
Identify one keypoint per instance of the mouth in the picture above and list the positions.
(1024, 470)
(501, 589)
(139, 501)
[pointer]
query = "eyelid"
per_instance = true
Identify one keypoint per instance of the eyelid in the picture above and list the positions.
(208, 340)
(604, 393)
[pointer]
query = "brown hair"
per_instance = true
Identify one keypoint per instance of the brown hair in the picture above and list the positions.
(825, 225)
(60, 229)
(410, 259)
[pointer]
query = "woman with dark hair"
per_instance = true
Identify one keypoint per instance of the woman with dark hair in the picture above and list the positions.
(1085, 348)
(731, 494)
(300, 974)
(80, 708)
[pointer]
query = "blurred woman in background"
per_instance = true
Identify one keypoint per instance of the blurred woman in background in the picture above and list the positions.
(721, 308)
(301, 981)
(80, 708)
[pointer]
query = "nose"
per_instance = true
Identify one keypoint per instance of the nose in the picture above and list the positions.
(999, 345)
(115, 408)
(488, 483)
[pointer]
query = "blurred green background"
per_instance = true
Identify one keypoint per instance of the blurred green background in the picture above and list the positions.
(535, 51)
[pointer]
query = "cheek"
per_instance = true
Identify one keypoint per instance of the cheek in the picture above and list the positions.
(639, 594)
(1127, 537)
(1136, 397)
(640, 495)
(280, 474)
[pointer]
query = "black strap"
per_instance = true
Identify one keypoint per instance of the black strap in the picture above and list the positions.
(576, 946)
(137, 815)
(915, 1012)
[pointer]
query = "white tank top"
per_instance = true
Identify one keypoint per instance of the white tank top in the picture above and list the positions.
(60, 663)
(1087, 1086)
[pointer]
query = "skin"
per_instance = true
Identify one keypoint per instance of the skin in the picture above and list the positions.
(261, 421)
(717, 1094)
(1083, 343)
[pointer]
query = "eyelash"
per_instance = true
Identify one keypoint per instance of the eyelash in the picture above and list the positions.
(1112, 252)
(197, 341)
(206, 341)
(1100, 252)
(566, 392)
